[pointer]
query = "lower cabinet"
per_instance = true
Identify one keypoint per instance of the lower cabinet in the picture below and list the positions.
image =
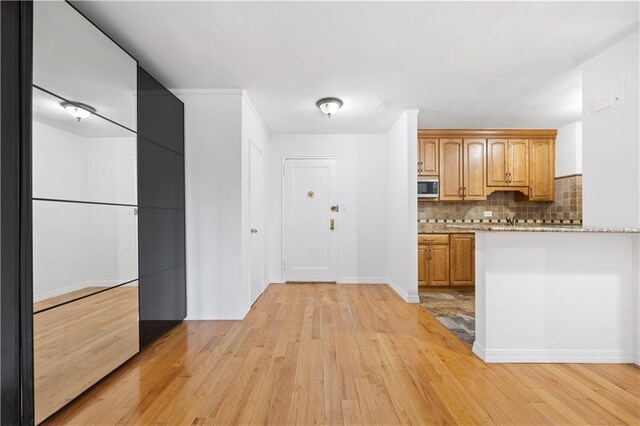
(462, 259)
(446, 259)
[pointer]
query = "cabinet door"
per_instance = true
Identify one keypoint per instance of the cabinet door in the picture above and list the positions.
(518, 162)
(474, 169)
(422, 265)
(450, 169)
(438, 265)
(542, 167)
(428, 157)
(497, 163)
(462, 261)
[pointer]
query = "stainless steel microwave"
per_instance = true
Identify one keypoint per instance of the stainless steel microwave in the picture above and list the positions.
(428, 187)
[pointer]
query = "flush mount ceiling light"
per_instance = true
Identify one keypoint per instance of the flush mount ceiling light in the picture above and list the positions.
(78, 110)
(329, 105)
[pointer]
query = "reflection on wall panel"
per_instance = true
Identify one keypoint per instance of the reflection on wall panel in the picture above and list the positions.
(81, 248)
(77, 344)
(87, 160)
(162, 302)
(76, 61)
(161, 200)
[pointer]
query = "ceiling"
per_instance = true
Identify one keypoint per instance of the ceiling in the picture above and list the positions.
(462, 64)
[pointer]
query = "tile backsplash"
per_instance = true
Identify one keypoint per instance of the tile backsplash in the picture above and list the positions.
(566, 207)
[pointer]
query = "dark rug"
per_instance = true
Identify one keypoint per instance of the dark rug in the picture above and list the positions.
(456, 311)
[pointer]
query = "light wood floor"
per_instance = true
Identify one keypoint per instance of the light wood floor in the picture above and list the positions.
(339, 354)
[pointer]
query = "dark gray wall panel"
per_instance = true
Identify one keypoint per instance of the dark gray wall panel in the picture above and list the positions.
(162, 302)
(161, 176)
(161, 223)
(161, 239)
(160, 114)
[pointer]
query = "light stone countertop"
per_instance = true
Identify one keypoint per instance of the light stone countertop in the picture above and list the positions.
(538, 228)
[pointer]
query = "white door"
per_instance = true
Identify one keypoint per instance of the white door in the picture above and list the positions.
(256, 194)
(310, 227)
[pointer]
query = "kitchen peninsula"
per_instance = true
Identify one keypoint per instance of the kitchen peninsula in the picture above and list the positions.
(555, 293)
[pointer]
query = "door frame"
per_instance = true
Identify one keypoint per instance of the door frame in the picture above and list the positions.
(283, 203)
(265, 281)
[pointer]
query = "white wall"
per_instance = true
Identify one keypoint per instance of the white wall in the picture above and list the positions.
(362, 198)
(569, 150)
(213, 192)
(554, 297)
(611, 148)
(402, 230)
(220, 125)
(611, 137)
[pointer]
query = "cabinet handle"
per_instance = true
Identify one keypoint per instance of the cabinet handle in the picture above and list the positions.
(460, 192)
(429, 254)
(531, 192)
(464, 193)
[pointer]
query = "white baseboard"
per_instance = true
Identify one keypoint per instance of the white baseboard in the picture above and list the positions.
(409, 298)
(219, 315)
(350, 280)
(275, 280)
(554, 356)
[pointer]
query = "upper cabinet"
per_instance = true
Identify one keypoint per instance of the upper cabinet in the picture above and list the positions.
(462, 169)
(473, 163)
(473, 174)
(428, 157)
(508, 162)
(76, 62)
(542, 169)
(497, 162)
(451, 187)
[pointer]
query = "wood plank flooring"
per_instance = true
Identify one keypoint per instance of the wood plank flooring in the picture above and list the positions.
(344, 354)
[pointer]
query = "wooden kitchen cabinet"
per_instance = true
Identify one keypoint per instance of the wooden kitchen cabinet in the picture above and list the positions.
(508, 162)
(497, 164)
(473, 174)
(462, 169)
(428, 157)
(446, 259)
(438, 265)
(422, 265)
(542, 170)
(462, 259)
(451, 169)
(473, 163)
(518, 162)
(433, 260)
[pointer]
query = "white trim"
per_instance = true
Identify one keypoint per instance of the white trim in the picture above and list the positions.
(553, 356)
(275, 280)
(221, 315)
(355, 280)
(414, 298)
(636, 358)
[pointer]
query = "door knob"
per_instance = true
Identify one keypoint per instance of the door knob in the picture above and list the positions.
(254, 231)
